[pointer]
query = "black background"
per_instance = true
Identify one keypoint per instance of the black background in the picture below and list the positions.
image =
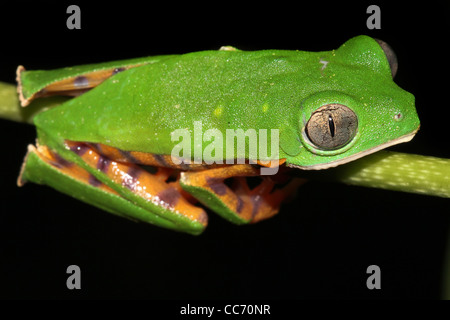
(319, 246)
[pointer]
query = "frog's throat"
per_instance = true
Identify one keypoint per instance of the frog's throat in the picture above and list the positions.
(320, 166)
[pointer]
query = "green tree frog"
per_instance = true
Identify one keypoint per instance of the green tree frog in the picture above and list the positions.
(149, 138)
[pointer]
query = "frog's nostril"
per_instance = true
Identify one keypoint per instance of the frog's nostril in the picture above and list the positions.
(390, 55)
(398, 116)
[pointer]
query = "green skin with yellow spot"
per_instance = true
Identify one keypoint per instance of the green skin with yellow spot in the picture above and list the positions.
(138, 109)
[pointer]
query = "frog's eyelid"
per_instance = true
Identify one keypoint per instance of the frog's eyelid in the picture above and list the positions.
(390, 55)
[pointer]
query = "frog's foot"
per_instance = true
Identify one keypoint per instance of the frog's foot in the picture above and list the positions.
(226, 191)
(121, 188)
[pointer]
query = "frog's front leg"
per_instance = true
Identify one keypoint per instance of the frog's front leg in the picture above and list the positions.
(117, 187)
(237, 201)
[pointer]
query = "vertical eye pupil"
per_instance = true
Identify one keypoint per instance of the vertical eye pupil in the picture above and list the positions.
(331, 125)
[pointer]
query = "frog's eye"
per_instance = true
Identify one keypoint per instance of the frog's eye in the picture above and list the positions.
(331, 126)
(390, 55)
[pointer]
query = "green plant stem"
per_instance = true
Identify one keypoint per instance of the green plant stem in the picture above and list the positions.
(10, 106)
(395, 171)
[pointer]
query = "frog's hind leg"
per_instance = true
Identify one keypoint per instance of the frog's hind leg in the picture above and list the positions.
(121, 188)
(237, 201)
(63, 85)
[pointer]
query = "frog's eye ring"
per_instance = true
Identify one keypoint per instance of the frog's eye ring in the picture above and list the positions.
(390, 55)
(331, 127)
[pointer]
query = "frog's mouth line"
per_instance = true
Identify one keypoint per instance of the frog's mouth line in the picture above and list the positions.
(405, 138)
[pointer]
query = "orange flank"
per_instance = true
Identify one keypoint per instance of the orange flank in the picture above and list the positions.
(149, 159)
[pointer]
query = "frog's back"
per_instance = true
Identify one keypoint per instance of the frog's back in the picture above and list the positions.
(139, 108)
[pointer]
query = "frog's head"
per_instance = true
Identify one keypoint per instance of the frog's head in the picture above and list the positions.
(355, 108)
